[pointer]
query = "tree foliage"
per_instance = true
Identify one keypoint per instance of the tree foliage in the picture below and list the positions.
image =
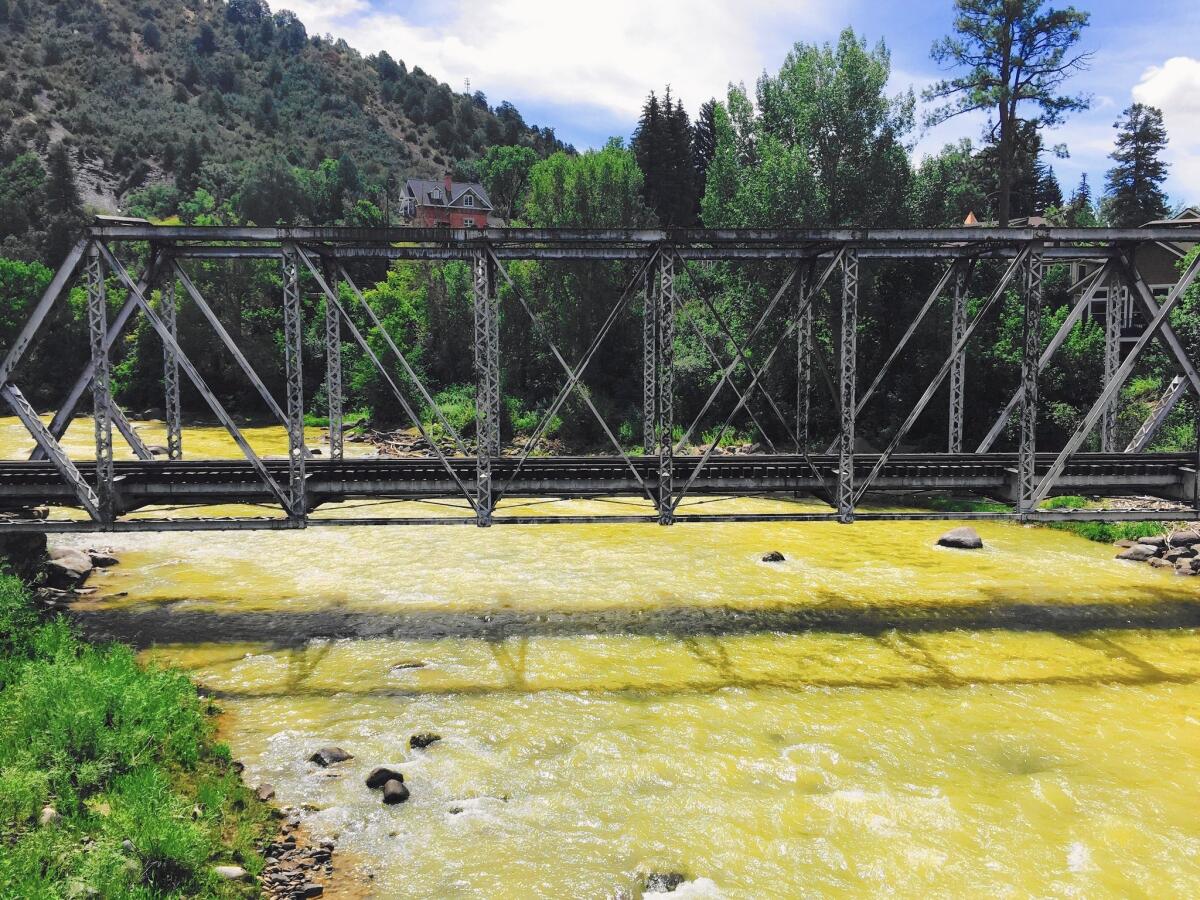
(1015, 55)
(1134, 194)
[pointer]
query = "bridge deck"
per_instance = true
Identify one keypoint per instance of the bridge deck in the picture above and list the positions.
(205, 482)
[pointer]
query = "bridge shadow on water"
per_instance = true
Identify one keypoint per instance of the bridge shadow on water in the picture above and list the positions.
(706, 640)
(149, 624)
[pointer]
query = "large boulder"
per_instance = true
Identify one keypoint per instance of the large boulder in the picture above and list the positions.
(1185, 538)
(394, 792)
(962, 538)
(328, 756)
(1153, 540)
(381, 775)
(1139, 552)
(67, 568)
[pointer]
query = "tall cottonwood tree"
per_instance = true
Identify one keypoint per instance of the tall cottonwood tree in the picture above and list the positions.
(1016, 55)
(1134, 194)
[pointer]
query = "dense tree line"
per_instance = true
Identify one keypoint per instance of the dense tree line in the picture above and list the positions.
(820, 142)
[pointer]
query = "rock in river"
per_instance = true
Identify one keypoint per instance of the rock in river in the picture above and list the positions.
(68, 568)
(327, 756)
(265, 792)
(381, 775)
(963, 538)
(421, 741)
(773, 556)
(394, 792)
(1139, 552)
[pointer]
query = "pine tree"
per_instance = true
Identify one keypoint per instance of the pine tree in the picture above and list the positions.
(1016, 55)
(1049, 194)
(1080, 211)
(1134, 189)
(704, 143)
(662, 146)
(62, 195)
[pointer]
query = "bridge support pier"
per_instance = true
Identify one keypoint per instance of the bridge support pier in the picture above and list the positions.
(97, 305)
(293, 329)
(665, 384)
(333, 369)
(1031, 351)
(958, 327)
(650, 361)
(487, 382)
(847, 372)
(171, 407)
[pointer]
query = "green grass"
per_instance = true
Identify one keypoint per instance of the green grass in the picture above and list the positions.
(123, 752)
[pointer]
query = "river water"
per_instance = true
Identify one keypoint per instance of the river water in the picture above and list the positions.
(874, 715)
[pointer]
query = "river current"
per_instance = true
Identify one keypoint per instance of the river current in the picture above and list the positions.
(875, 715)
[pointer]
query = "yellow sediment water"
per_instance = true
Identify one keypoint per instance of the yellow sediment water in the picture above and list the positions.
(620, 699)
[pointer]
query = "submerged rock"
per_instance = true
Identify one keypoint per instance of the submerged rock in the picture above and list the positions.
(774, 556)
(962, 538)
(394, 792)
(421, 741)
(1138, 552)
(700, 889)
(327, 756)
(102, 559)
(381, 775)
(663, 882)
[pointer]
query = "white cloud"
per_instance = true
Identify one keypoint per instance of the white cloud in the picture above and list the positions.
(1174, 87)
(566, 53)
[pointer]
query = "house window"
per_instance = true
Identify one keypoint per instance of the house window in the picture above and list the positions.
(468, 223)
(469, 200)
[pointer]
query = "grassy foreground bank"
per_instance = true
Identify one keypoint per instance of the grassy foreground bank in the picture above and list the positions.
(111, 781)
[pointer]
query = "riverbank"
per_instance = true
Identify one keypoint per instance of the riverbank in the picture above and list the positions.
(112, 782)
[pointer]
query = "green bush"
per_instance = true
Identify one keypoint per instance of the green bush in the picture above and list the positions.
(125, 754)
(457, 404)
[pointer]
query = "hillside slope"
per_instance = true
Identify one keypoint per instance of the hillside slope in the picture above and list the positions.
(184, 91)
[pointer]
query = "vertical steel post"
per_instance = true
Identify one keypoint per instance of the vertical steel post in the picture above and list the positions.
(665, 424)
(848, 377)
(1032, 347)
(172, 411)
(293, 334)
(1113, 314)
(958, 327)
(649, 361)
(487, 382)
(804, 350)
(333, 369)
(97, 304)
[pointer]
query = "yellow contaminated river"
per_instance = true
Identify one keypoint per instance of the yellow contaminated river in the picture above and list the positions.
(873, 716)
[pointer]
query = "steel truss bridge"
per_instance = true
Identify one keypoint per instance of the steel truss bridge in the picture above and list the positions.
(819, 267)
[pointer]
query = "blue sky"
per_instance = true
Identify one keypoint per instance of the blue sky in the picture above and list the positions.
(584, 68)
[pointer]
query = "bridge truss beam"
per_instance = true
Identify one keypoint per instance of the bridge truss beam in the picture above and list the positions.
(808, 311)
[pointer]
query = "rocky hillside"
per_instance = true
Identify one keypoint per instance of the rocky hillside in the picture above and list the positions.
(196, 92)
